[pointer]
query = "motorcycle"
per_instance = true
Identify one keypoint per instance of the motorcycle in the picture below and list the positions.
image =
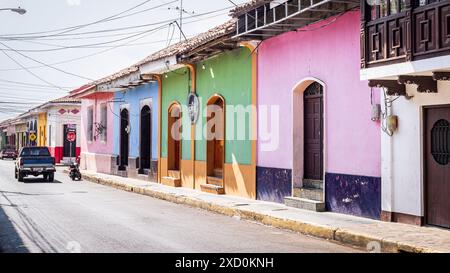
(74, 171)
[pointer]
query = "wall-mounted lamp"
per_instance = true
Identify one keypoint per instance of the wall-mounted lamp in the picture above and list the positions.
(392, 123)
(203, 67)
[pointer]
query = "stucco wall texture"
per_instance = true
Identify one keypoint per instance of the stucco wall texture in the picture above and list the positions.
(331, 55)
(133, 98)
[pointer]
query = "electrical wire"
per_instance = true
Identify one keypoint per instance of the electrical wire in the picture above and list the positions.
(72, 28)
(113, 30)
(107, 50)
(47, 65)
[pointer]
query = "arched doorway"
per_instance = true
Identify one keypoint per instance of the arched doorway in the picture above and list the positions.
(124, 138)
(308, 158)
(145, 140)
(174, 140)
(215, 150)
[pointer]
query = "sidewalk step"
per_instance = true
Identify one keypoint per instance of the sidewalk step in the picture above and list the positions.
(216, 181)
(218, 173)
(171, 182)
(174, 174)
(313, 184)
(309, 193)
(305, 204)
(213, 189)
(122, 173)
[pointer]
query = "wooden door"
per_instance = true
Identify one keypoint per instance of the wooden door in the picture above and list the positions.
(146, 138)
(174, 138)
(124, 138)
(216, 142)
(437, 163)
(313, 132)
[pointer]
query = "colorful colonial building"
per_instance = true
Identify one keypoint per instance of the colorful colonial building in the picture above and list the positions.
(208, 90)
(406, 52)
(56, 119)
(97, 139)
(318, 147)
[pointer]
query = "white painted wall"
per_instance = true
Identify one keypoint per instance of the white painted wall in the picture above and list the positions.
(57, 121)
(402, 154)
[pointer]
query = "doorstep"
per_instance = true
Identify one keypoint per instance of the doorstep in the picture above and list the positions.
(349, 230)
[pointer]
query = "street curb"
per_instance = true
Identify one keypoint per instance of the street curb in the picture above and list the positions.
(342, 236)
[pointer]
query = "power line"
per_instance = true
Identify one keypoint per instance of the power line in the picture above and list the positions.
(49, 66)
(109, 49)
(29, 84)
(31, 72)
(113, 30)
(72, 28)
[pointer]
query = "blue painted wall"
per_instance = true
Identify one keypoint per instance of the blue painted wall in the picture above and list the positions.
(354, 195)
(273, 185)
(133, 97)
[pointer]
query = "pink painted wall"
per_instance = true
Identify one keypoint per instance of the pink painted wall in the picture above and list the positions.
(97, 146)
(332, 55)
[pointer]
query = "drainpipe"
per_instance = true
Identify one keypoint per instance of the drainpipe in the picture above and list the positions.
(253, 47)
(159, 79)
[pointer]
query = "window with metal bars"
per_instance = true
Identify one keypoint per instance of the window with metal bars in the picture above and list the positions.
(440, 142)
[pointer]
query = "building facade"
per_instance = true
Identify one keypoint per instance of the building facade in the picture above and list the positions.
(97, 127)
(63, 116)
(135, 118)
(318, 147)
(406, 53)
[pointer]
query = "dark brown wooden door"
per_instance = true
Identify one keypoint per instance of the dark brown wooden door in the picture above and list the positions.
(313, 132)
(437, 158)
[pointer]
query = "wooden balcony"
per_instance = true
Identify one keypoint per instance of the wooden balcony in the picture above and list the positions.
(412, 33)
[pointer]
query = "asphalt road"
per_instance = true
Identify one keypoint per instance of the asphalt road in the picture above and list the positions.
(67, 216)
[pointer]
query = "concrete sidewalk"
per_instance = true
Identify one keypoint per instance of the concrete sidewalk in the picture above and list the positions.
(360, 232)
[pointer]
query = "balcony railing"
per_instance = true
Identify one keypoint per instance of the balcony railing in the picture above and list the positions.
(404, 31)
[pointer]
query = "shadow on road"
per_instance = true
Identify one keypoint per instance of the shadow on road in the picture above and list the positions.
(10, 241)
(40, 181)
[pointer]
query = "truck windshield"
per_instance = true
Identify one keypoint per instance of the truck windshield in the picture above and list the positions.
(35, 152)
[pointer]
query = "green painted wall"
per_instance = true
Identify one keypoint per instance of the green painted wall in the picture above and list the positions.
(175, 88)
(229, 75)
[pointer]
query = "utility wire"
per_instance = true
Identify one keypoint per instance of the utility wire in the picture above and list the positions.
(32, 73)
(49, 66)
(116, 29)
(107, 50)
(72, 28)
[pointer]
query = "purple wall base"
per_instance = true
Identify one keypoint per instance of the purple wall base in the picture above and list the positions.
(354, 195)
(272, 184)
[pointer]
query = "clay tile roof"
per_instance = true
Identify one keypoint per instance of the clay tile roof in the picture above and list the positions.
(115, 76)
(241, 9)
(66, 99)
(192, 43)
(176, 49)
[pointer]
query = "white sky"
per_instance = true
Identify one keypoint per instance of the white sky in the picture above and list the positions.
(46, 15)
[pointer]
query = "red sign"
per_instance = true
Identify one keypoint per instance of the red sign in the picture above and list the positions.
(71, 136)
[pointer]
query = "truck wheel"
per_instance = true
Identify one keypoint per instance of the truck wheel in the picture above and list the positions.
(51, 177)
(20, 177)
(45, 177)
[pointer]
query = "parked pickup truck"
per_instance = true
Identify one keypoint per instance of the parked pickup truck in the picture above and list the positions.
(35, 161)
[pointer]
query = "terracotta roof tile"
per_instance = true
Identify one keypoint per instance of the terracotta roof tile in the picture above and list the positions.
(176, 49)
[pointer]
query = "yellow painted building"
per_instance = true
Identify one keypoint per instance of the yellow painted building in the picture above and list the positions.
(42, 129)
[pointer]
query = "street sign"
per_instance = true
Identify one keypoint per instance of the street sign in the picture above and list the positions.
(71, 136)
(33, 137)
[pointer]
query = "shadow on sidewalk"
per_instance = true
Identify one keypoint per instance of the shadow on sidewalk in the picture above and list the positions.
(10, 241)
